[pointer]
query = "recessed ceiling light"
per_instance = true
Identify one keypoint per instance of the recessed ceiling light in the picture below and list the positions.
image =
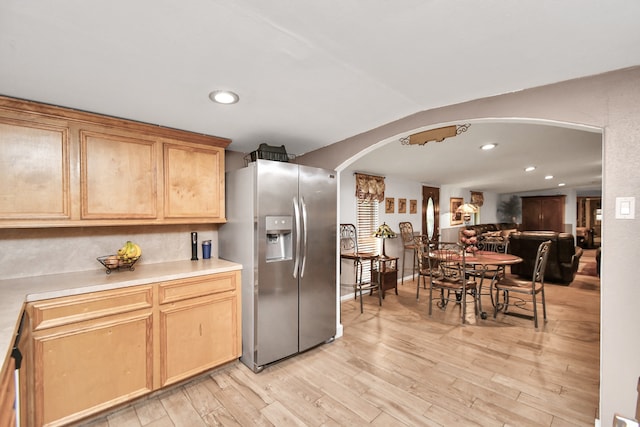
(224, 97)
(490, 146)
(548, 177)
(562, 184)
(529, 168)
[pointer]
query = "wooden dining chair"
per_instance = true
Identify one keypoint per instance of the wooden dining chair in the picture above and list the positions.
(531, 288)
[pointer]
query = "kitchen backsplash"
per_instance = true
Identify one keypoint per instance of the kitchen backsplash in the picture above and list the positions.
(34, 252)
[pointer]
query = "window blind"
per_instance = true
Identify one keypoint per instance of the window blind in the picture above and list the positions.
(367, 222)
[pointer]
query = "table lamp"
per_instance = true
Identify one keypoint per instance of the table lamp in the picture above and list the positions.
(466, 210)
(384, 232)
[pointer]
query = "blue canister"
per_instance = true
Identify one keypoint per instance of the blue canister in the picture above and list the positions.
(206, 249)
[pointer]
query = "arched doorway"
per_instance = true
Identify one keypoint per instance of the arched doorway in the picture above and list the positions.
(392, 157)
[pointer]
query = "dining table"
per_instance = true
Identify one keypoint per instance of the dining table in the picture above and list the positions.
(482, 262)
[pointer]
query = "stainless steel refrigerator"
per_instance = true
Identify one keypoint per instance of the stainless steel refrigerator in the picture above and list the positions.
(281, 226)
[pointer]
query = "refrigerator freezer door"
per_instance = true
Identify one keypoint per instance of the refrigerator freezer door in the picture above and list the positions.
(276, 296)
(284, 311)
(317, 295)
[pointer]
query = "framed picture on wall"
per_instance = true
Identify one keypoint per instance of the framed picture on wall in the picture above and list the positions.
(402, 206)
(454, 204)
(413, 206)
(389, 204)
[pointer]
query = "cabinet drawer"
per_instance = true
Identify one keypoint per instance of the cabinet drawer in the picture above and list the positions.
(178, 290)
(66, 310)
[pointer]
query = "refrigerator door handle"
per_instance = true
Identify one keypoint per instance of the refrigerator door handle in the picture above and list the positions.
(304, 234)
(296, 214)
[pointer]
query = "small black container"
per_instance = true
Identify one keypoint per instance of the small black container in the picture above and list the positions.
(194, 246)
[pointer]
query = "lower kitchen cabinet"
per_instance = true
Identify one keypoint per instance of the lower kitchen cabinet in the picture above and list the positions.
(7, 396)
(90, 352)
(92, 366)
(199, 325)
(93, 351)
(197, 335)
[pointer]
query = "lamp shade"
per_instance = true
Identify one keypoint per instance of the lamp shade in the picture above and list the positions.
(467, 208)
(384, 232)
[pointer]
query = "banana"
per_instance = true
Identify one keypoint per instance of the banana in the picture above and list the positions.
(122, 251)
(129, 252)
(138, 250)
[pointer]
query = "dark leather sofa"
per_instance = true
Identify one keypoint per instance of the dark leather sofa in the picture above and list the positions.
(497, 232)
(492, 227)
(564, 255)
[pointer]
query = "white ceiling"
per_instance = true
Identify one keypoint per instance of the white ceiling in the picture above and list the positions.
(572, 157)
(308, 73)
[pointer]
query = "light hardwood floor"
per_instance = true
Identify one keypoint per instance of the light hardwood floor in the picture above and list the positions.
(395, 366)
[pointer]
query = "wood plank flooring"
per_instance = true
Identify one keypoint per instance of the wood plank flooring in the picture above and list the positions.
(396, 366)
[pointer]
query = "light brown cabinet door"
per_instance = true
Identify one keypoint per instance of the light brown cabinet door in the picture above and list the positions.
(7, 396)
(91, 366)
(196, 335)
(193, 182)
(118, 176)
(34, 171)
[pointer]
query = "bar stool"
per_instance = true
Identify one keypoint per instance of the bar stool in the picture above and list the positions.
(349, 251)
(406, 232)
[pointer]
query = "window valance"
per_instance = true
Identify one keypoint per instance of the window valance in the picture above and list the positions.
(369, 187)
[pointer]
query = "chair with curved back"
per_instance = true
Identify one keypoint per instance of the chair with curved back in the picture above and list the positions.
(349, 251)
(523, 288)
(407, 234)
(492, 274)
(422, 243)
(447, 271)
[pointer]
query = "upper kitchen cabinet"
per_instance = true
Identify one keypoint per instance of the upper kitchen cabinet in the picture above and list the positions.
(34, 169)
(119, 176)
(63, 168)
(193, 181)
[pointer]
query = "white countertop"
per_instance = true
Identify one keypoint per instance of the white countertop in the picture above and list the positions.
(15, 292)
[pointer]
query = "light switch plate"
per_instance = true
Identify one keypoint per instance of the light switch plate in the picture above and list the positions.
(625, 207)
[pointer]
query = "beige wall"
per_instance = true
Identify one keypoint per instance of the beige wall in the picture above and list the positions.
(609, 101)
